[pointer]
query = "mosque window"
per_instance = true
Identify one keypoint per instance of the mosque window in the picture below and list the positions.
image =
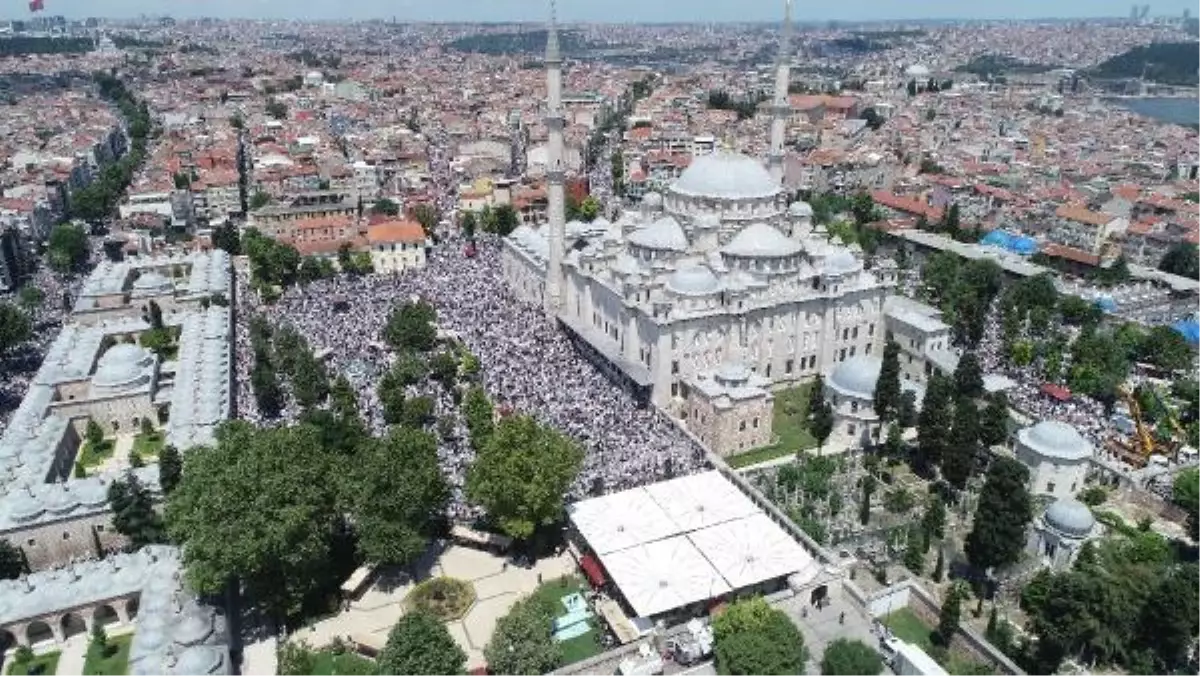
(742, 426)
(787, 366)
(1049, 486)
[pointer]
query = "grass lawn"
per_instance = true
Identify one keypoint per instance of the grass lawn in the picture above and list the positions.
(92, 457)
(327, 663)
(791, 406)
(585, 645)
(115, 664)
(48, 663)
(905, 624)
(148, 445)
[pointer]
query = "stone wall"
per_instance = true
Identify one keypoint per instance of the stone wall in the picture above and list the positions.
(46, 545)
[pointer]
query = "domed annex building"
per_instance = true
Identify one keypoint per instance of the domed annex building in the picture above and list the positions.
(850, 391)
(1057, 457)
(1059, 533)
(718, 271)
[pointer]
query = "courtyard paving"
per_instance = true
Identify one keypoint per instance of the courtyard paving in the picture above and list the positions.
(498, 586)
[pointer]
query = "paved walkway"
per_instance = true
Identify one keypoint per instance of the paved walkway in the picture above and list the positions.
(821, 627)
(497, 587)
(74, 649)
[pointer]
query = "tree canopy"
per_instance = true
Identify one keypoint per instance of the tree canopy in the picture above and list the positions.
(522, 642)
(1183, 259)
(887, 386)
(751, 637)
(261, 506)
(1003, 512)
(133, 512)
(521, 474)
(410, 327)
(420, 644)
(14, 327)
(67, 248)
(396, 492)
(849, 657)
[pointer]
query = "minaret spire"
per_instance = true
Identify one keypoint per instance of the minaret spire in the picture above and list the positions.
(555, 176)
(781, 111)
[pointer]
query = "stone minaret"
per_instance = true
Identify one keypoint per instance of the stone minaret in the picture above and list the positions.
(555, 174)
(780, 110)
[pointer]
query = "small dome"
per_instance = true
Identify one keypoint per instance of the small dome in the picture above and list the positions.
(759, 240)
(665, 234)
(707, 221)
(840, 261)
(733, 373)
(24, 507)
(1055, 439)
(653, 200)
(192, 629)
(856, 376)
(1070, 517)
(123, 364)
(693, 280)
(726, 176)
(151, 281)
(917, 70)
(800, 209)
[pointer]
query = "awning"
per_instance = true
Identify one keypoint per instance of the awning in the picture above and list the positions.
(1057, 391)
(594, 571)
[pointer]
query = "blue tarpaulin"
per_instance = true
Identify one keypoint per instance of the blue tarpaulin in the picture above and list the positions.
(1017, 244)
(1190, 329)
(1106, 303)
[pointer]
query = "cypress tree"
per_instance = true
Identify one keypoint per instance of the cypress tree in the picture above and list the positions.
(887, 387)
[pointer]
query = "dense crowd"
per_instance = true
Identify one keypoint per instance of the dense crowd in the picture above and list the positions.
(528, 365)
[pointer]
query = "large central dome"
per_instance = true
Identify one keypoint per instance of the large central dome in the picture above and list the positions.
(726, 176)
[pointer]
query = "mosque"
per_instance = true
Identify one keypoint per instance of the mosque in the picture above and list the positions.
(708, 296)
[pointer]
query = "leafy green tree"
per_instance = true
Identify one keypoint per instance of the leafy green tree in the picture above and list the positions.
(12, 562)
(887, 386)
(864, 505)
(506, 220)
(294, 658)
(820, 425)
(914, 550)
(391, 397)
(939, 567)
(428, 216)
(1183, 259)
(1185, 492)
(14, 327)
(933, 423)
(396, 494)
(443, 367)
(1169, 618)
(94, 433)
(420, 644)
(1001, 517)
(170, 469)
(993, 421)
(968, 377)
(261, 507)
(386, 207)
(959, 459)
(521, 474)
(906, 416)
(411, 327)
(589, 209)
(933, 521)
(30, 298)
(467, 224)
(850, 657)
(276, 109)
(133, 512)
(1166, 348)
(478, 416)
(522, 642)
(951, 613)
(751, 637)
(310, 380)
(418, 412)
(67, 248)
(863, 208)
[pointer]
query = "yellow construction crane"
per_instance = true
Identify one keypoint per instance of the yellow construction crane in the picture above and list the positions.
(1144, 441)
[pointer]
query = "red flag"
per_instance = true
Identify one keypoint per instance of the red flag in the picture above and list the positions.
(36, 5)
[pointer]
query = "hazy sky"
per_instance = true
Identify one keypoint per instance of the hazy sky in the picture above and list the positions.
(597, 10)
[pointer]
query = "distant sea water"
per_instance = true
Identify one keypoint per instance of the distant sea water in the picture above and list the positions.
(1185, 111)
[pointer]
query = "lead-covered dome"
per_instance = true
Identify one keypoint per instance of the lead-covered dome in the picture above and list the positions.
(664, 234)
(840, 261)
(800, 209)
(726, 176)
(1055, 439)
(759, 240)
(856, 377)
(693, 280)
(124, 364)
(1070, 517)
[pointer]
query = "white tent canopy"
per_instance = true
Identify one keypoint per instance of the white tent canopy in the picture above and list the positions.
(701, 500)
(752, 550)
(621, 520)
(663, 575)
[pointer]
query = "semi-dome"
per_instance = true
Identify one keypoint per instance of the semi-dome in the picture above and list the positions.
(123, 364)
(856, 376)
(726, 176)
(1055, 439)
(664, 234)
(653, 200)
(192, 630)
(1070, 517)
(199, 660)
(759, 240)
(733, 373)
(917, 70)
(151, 281)
(840, 261)
(693, 280)
(800, 209)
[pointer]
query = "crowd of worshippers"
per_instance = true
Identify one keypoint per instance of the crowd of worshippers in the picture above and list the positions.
(528, 366)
